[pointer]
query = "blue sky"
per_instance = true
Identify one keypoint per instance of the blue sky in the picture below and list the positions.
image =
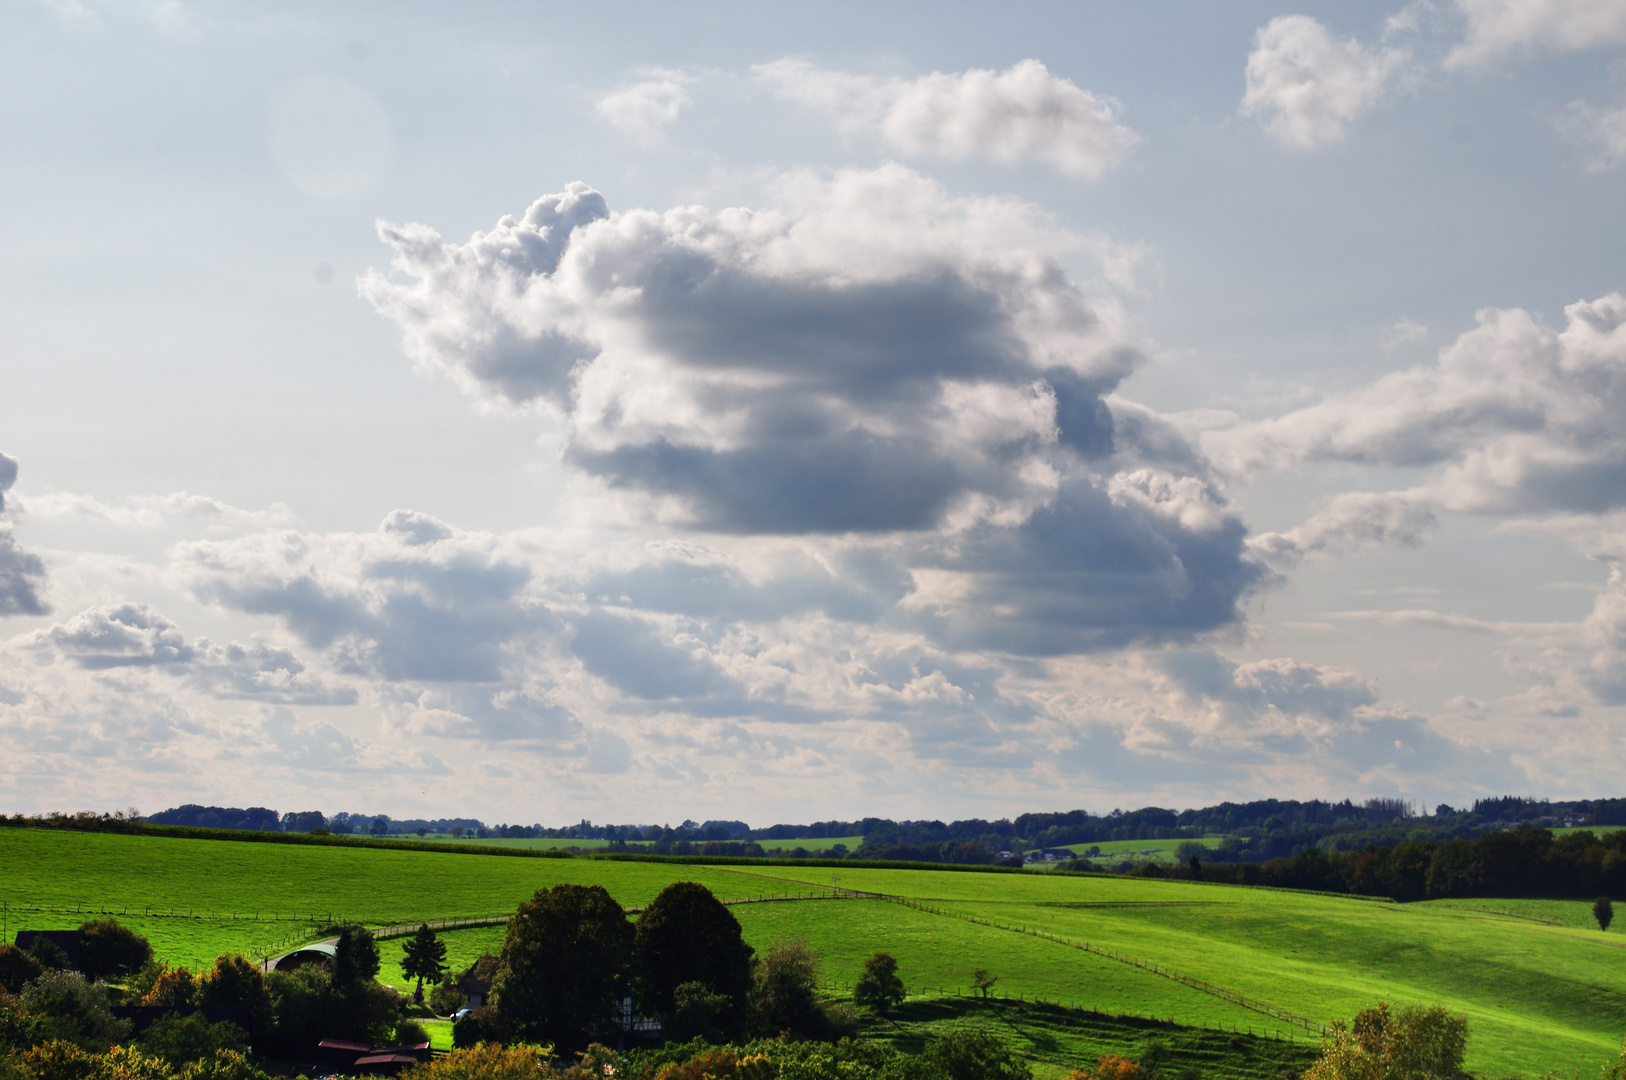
(783, 413)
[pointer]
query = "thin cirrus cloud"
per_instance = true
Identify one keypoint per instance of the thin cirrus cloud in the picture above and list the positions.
(1497, 28)
(1023, 113)
(1306, 86)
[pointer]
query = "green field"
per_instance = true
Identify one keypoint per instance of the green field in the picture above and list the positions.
(535, 843)
(1544, 990)
(545, 843)
(823, 843)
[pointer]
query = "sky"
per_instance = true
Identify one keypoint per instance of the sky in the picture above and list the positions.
(639, 412)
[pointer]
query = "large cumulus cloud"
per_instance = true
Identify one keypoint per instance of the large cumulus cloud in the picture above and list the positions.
(874, 358)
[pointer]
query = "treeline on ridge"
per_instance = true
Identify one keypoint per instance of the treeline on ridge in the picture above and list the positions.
(1511, 863)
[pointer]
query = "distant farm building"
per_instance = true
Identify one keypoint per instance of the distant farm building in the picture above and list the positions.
(71, 942)
(321, 954)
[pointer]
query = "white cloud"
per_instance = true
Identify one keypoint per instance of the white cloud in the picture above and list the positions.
(134, 636)
(907, 373)
(1515, 418)
(1498, 27)
(1022, 113)
(1600, 133)
(644, 108)
(1351, 522)
(22, 574)
(1306, 86)
(882, 353)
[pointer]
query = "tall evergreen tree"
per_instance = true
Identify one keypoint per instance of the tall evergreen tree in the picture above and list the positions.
(356, 959)
(424, 957)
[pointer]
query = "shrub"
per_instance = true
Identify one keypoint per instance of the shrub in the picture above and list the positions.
(70, 1008)
(1109, 1067)
(410, 1033)
(484, 1025)
(697, 1012)
(1415, 1043)
(487, 1061)
(446, 998)
(973, 1055)
(16, 968)
(224, 1065)
(181, 1040)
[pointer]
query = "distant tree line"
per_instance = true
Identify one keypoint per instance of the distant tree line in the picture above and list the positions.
(1256, 832)
(1517, 862)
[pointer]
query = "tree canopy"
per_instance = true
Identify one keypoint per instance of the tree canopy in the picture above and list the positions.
(424, 957)
(686, 935)
(563, 964)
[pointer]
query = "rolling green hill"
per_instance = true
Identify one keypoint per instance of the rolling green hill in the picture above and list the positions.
(1542, 987)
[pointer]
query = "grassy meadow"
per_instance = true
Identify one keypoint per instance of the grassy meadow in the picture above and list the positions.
(1543, 989)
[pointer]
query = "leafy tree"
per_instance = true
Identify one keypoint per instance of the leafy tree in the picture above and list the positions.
(1414, 1043)
(784, 995)
(700, 1013)
(48, 955)
(983, 981)
(1604, 911)
(686, 935)
(973, 1055)
(111, 950)
(235, 983)
(563, 964)
(224, 1065)
(879, 989)
(165, 986)
(446, 998)
(487, 1061)
(181, 1040)
(74, 1010)
(16, 968)
(1109, 1067)
(423, 957)
(356, 959)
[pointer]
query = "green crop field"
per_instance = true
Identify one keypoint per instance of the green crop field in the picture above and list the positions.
(823, 843)
(1543, 989)
(535, 843)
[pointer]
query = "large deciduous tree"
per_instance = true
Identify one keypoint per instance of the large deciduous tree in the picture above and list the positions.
(879, 989)
(111, 950)
(563, 965)
(686, 935)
